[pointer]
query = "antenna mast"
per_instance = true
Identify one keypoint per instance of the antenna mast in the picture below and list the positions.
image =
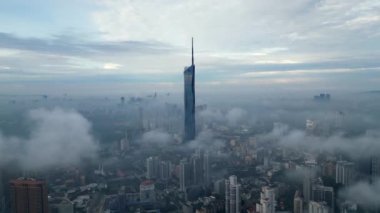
(192, 51)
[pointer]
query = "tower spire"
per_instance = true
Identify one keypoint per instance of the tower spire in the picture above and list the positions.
(192, 51)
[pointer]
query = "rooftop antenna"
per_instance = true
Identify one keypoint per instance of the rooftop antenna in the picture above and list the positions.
(192, 51)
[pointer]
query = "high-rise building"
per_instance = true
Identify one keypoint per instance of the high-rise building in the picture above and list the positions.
(310, 126)
(184, 174)
(152, 167)
(28, 195)
(344, 172)
(297, 203)
(124, 143)
(2, 197)
(227, 195)
(328, 169)
(197, 168)
(232, 195)
(306, 187)
(267, 201)
(318, 207)
(219, 187)
(206, 168)
(189, 96)
(375, 168)
(141, 121)
(321, 193)
(164, 170)
(308, 178)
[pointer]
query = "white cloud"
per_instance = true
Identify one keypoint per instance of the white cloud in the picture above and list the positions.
(235, 26)
(363, 193)
(355, 147)
(4, 68)
(304, 72)
(111, 66)
(229, 37)
(58, 137)
(362, 21)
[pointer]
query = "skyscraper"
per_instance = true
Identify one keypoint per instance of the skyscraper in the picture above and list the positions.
(297, 203)
(28, 195)
(2, 198)
(321, 193)
(206, 167)
(152, 167)
(164, 170)
(197, 169)
(189, 96)
(306, 186)
(227, 195)
(344, 172)
(375, 168)
(232, 195)
(308, 178)
(267, 201)
(184, 175)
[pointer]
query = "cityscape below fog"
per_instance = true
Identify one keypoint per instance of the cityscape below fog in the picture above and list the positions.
(155, 153)
(190, 106)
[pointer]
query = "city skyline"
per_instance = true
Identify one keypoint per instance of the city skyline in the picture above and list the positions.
(102, 110)
(303, 45)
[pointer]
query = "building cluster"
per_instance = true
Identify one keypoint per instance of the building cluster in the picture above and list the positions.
(157, 169)
(322, 97)
(194, 171)
(234, 171)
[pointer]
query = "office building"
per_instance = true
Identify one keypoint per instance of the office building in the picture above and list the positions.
(2, 197)
(189, 98)
(375, 168)
(324, 194)
(164, 170)
(309, 176)
(184, 175)
(28, 195)
(227, 195)
(344, 172)
(152, 167)
(267, 201)
(197, 167)
(206, 168)
(297, 203)
(232, 195)
(219, 187)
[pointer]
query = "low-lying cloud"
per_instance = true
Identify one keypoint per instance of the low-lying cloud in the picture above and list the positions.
(363, 193)
(57, 137)
(157, 137)
(232, 117)
(355, 146)
(206, 140)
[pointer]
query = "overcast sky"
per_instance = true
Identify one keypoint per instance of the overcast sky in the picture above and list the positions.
(88, 46)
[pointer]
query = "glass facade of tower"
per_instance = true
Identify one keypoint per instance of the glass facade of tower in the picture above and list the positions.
(189, 75)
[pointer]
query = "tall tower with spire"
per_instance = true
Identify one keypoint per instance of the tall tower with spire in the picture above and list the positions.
(189, 98)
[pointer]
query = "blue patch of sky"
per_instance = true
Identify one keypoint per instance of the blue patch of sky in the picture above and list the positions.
(41, 18)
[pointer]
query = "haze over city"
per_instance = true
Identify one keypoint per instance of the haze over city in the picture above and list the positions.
(189, 106)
